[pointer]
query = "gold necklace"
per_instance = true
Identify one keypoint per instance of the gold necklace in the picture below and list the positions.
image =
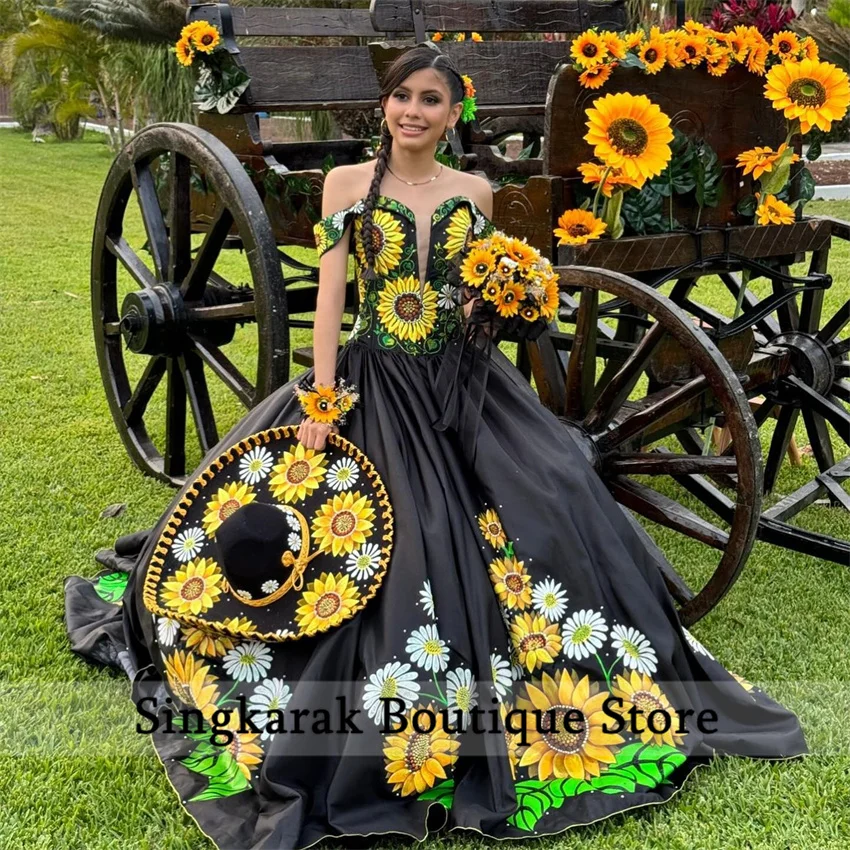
(410, 183)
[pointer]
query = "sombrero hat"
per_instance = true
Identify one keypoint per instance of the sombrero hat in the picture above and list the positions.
(274, 541)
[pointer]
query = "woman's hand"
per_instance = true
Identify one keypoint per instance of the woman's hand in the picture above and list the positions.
(314, 435)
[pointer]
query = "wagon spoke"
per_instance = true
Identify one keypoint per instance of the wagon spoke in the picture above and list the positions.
(175, 422)
(192, 371)
(134, 409)
(152, 217)
(819, 439)
(836, 324)
(638, 422)
(131, 261)
(623, 382)
(785, 423)
(668, 463)
(581, 367)
(842, 370)
(179, 217)
(841, 390)
(837, 416)
(761, 414)
(811, 309)
(196, 280)
(840, 348)
(221, 366)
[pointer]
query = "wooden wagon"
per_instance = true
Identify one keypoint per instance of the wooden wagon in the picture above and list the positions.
(628, 369)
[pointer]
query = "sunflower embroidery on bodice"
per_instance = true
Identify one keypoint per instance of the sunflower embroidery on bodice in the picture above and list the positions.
(397, 311)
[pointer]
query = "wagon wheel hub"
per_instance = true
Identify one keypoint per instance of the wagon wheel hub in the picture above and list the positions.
(585, 442)
(154, 321)
(809, 358)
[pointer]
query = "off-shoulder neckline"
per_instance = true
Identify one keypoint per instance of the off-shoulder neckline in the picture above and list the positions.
(409, 214)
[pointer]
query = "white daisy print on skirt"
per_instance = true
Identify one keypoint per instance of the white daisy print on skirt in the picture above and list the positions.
(500, 672)
(584, 633)
(187, 544)
(635, 650)
(343, 474)
(462, 693)
(256, 465)
(426, 599)
(270, 695)
(549, 599)
(695, 645)
(248, 662)
(394, 680)
(363, 562)
(427, 649)
(166, 630)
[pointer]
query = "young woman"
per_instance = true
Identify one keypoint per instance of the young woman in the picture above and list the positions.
(513, 604)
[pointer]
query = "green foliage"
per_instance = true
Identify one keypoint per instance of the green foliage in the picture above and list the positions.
(838, 12)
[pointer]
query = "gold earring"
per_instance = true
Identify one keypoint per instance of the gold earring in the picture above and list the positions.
(384, 126)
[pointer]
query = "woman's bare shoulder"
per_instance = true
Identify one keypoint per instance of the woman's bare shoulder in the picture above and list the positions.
(478, 189)
(345, 185)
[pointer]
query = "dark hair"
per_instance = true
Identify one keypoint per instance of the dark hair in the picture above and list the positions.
(415, 59)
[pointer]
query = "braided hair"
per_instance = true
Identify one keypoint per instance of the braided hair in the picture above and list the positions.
(422, 56)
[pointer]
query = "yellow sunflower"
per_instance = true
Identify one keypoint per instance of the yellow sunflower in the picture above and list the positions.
(522, 252)
(208, 642)
(631, 133)
(596, 76)
(718, 60)
(477, 266)
(511, 582)
(387, 240)
(508, 300)
(320, 404)
(758, 57)
(403, 312)
(512, 740)
(206, 38)
(326, 602)
(634, 39)
(191, 683)
(810, 48)
(675, 55)
(737, 41)
(817, 93)
(640, 692)
(225, 503)
(535, 639)
(184, 51)
(190, 29)
(588, 49)
(549, 301)
(578, 227)
(692, 48)
(773, 211)
(297, 474)
(761, 160)
(343, 523)
(491, 290)
(243, 749)
(785, 44)
(557, 752)
(195, 588)
(491, 528)
(323, 241)
(653, 54)
(529, 313)
(459, 228)
(593, 172)
(616, 45)
(416, 760)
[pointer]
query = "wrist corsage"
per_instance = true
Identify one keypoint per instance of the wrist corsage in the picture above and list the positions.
(328, 404)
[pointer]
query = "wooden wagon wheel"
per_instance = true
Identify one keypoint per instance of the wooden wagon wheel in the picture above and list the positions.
(621, 435)
(181, 311)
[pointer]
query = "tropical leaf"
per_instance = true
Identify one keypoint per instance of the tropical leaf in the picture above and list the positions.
(807, 185)
(219, 766)
(706, 171)
(111, 587)
(442, 793)
(747, 205)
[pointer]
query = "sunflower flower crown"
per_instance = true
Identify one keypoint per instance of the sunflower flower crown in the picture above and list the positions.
(327, 404)
(515, 283)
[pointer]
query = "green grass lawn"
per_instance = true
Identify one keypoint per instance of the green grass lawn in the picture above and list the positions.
(73, 773)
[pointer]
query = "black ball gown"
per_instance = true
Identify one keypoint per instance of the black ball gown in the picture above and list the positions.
(516, 584)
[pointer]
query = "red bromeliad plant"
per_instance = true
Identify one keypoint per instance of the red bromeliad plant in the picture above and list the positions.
(767, 17)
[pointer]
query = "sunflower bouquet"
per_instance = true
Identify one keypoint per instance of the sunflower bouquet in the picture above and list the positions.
(515, 288)
(221, 81)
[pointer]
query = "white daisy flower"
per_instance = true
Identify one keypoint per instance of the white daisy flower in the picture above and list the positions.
(363, 562)
(461, 692)
(695, 645)
(479, 224)
(426, 597)
(270, 695)
(550, 599)
(635, 650)
(394, 680)
(166, 630)
(338, 219)
(294, 542)
(255, 465)
(355, 328)
(248, 662)
(583, 633)
(517, 670)
(500, 672)
(446, 299)
(427, 649)
(291, 519)
(358, 207)
(284, 632)
(343, 474)
(187, 544)
(270, 586)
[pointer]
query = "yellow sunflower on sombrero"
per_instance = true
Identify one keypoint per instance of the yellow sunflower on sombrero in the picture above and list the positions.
(555, 752)
(387, 240)
(415, 761)
(404, 312)
(194, 588)
(297, 474)
(631, 133)
(343, 523)
(326, 602)
(816, 93)
(227, 501)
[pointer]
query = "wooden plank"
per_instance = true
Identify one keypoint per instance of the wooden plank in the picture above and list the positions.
(486, 16)
(279, 21)
(670, 250)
